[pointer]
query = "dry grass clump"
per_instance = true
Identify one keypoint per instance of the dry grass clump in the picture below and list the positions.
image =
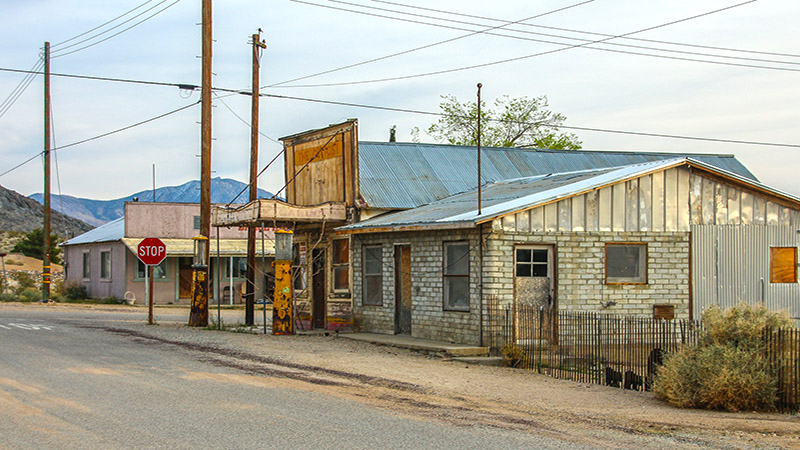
(728, 369)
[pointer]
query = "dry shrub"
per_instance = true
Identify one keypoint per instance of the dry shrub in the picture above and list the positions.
(512, 355)
(728, 369)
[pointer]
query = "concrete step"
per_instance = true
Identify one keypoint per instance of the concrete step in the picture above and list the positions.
(480, 360)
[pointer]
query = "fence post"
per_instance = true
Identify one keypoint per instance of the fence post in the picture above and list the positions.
(541, 317)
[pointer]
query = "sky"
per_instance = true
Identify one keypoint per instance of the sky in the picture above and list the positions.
(733, 77)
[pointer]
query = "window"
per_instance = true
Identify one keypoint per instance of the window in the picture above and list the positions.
(373, 275)
(456, 276)
(626, 263)
(531, 262)
(783, 265)
(299, 268)
(105, 265)
(196, 222)
(341, 264)
(159, 271)
(87, 265)
(239, 267)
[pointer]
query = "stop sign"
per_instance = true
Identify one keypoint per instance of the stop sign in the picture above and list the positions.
(152, 251)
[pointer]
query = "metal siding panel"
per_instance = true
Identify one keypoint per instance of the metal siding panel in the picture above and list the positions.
(537, 219)
(746, 213)
(733, 206)
(618, 207)
(784, 218)
(658, 201)
(523, 221)
(696, 199)
(671, 200)
(772, 213)
(592, 212)
(632, 205)
(709, 203)
(579, 213)
(605, 206)
(645, 203)
(509, 224)
(721, 204)
(550, 217)
(564, 215)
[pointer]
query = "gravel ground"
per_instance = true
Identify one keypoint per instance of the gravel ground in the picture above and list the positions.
(432, 388)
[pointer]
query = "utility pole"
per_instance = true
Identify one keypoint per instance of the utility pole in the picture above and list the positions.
(249, 315)
(479, 148)
(198, 316)
(46, 227)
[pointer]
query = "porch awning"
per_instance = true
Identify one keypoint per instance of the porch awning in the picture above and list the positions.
(276, 211)
(227, 247)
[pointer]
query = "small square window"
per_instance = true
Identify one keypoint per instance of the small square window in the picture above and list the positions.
(783, 265)
(626, 263)
(531, 262)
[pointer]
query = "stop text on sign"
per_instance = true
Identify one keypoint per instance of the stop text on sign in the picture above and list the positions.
(151, 251)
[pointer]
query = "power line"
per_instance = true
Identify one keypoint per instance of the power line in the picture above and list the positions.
(119, 32)
(101, 25)
(655, 41)
(405, 52)
(741, 58)
(568, 47)
(100, 136)
(20, 89)
(240, 117)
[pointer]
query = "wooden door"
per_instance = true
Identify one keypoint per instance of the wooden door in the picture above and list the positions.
(318, 288)
(402, 289)
(185, 278)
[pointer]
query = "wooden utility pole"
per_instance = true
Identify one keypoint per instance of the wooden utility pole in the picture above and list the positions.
(46, 227)
(249, 315)
(199, 312)
(479, 148)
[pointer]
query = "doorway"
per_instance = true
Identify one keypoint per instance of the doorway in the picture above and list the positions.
(534, 270)
(402, 289)
(318, 287)
(185, 277)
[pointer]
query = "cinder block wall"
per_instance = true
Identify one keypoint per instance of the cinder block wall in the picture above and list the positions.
(580, 270)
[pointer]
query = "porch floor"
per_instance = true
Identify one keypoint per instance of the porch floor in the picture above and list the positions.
(408, 342)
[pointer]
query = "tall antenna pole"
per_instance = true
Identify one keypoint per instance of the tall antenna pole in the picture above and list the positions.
(154, 183)
(199, 312)
(249, 314)
(479, 148)
(46, 227)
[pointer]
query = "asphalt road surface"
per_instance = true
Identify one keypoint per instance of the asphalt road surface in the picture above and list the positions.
(67, 381)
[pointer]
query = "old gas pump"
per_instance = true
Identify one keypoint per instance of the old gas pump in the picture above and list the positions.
(283, 303)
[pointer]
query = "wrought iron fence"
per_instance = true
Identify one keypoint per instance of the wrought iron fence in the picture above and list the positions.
(616, 350)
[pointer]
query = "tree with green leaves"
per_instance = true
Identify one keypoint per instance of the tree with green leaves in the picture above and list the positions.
(32, 245)
(516, 122)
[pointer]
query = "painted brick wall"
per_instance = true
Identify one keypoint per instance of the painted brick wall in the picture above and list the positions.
(429, 320)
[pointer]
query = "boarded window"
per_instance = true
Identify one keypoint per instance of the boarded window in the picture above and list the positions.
(159, 271)
(531, 262)
(105, 265)
(456, 276)
(373, 276)
(341, 264)
(783, 265)
(87, 265)
(626, 263)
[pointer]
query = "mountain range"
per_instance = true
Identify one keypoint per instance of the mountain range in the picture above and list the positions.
(20, 213)
(98, 212)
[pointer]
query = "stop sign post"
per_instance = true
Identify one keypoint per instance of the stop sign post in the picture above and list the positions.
(151, 251)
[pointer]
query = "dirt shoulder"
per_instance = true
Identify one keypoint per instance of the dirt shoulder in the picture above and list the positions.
(425, 385)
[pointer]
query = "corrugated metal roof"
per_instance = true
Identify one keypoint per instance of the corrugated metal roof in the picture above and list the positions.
(401, 175)
(109, 232)
(511, 195)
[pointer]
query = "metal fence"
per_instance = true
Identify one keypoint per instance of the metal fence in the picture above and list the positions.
(616, 350)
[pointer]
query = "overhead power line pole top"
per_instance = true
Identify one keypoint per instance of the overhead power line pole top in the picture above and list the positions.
(198, 316)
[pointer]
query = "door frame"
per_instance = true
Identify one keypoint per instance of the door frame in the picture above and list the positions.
(318, 309)
(552, 271)
(398, 288)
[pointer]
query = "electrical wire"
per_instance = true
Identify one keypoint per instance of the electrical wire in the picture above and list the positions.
(655, 41)
(259, 174)
(228, 107)
(100, 136)
(309, 161)
(740, 58)
(405, 52)
(119, 32)
(101, 25)
(20, 89)
(568, 47)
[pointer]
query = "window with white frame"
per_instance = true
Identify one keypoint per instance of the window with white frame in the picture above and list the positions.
(105, 264)
(87, 265)
(626, 263)
(456, 276)
(159, 271)
(372, 289)
(239, 267)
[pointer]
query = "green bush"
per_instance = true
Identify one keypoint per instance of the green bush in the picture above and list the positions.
(728, 369)
(8, 297)
(24, 281)
(112, 301)
(75, 292)
(29, 295)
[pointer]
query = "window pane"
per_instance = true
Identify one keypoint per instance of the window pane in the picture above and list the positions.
(540, 270)
(523, 255)
(341, 277)
(540, 255)
(783, 265)
(159, 271)
(372, 260)
(87, 267)
(523, 270)
(625, 263)
(105, 265)
(341, 251)
(372, 290)
(457, 293)
(456, 259)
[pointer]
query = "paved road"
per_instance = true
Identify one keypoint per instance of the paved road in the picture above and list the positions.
(67, 382)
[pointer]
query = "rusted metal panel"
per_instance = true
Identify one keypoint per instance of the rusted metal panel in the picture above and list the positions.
(645, 203)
